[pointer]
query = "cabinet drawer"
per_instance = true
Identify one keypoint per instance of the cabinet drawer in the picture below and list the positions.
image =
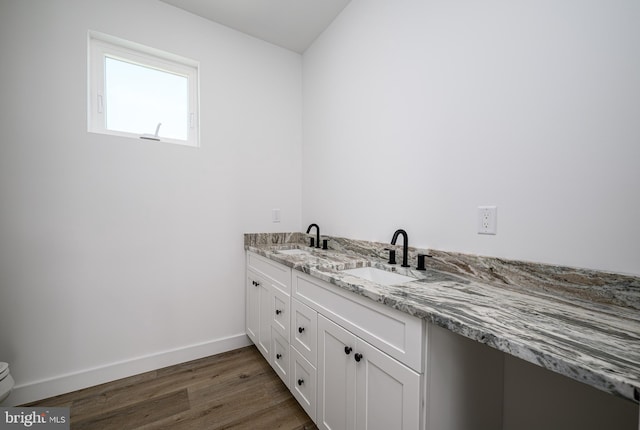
(394, 332)
(304, 330)
(280, 354)
(280, 315)
(303, 383)
(278, 275)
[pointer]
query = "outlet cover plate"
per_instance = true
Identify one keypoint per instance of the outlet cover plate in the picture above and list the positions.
(275, 215)
(487, 219)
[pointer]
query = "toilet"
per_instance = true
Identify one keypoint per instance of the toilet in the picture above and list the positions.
(6, 381)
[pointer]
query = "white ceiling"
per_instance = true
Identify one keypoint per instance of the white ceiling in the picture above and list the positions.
(292, 24)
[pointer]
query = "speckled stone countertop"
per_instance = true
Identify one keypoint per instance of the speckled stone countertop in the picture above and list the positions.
(583, 324)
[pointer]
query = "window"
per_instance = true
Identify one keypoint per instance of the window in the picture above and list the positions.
(141, 92)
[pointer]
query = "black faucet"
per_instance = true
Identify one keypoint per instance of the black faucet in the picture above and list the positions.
(317, 241)
(392, 256)
(405, 245)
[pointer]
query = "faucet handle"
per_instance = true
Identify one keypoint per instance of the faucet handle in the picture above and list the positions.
(421, 261)
(392, 256)
(312, 242)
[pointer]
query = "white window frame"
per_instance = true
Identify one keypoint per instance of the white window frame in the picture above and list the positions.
(102, 45)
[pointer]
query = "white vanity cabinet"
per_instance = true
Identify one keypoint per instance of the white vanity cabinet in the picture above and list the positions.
(350, 362)
(364, 354)
(353, 363)
(360, 387)
(268, 303)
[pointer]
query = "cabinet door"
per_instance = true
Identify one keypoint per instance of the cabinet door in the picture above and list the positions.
(387, 392)
(252, 303)
(264, 332)
(336, 377)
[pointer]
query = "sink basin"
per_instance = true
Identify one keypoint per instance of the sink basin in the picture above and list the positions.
(293, 252)
(379, 276)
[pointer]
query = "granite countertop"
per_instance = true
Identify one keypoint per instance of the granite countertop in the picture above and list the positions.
(584, 325)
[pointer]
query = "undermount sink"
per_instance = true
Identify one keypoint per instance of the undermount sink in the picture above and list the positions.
(379, 276)
(293, 252)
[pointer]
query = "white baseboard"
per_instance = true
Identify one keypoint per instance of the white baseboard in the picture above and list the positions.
(32, 391)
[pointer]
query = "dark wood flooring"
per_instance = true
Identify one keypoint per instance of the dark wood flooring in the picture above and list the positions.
(234, 390)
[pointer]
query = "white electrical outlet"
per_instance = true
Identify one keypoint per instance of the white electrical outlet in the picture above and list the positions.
(487, 219)
(275, 215)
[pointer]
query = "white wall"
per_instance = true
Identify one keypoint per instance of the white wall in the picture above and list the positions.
(416, 112)
(472, 386)
(536, 398)
(118, 255)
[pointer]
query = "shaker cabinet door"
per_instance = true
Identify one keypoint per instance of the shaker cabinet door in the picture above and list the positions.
(264, 332)
(387, 392)
(336, 377)
(252, 307)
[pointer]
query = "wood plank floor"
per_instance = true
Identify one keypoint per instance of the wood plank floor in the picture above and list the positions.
(234, 390)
